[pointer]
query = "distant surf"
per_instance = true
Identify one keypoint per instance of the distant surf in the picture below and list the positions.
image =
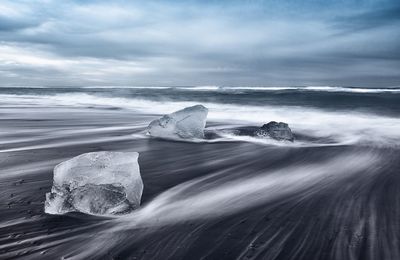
(237, 88)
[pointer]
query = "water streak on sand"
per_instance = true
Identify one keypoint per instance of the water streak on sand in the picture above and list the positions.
(226, 193)
(221, 193)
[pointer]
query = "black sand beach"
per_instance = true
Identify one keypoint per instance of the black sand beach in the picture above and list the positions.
(211, 200)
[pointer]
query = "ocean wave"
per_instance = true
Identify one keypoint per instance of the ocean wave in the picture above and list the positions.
(231, 137)
(200, 88)
(125, 87)
(316, 88)
(352, 89)
(224, 136)
(358, 90)
(344, 127)
(267, 89)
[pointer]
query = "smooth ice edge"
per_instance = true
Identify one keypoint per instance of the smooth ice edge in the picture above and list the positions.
(96, 183)
(188, 123)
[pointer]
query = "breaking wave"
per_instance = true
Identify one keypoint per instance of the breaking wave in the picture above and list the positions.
(343, 127)
(246, 88)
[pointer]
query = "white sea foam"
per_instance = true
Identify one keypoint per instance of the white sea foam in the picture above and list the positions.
(353, 90)
(198, 199)
(342, 126)
(131, 87)
(300, 88)
(246, 88)
(318, 88)
(200, 88)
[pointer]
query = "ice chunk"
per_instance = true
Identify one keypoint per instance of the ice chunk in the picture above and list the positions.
(96, 183)
(278, 131)
(186, 123)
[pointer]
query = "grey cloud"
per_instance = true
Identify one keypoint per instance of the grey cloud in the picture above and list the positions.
(10, 25)
(369, 19)
(180, 44)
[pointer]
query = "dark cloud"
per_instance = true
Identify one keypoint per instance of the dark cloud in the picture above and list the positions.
(369, 19)
(200, 42)
(10, 25)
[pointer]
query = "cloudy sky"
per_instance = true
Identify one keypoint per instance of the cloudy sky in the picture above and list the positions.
(229, 43)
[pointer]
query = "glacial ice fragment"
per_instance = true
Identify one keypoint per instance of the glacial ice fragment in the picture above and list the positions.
(183, 124)
(278, 131)
(96, 183)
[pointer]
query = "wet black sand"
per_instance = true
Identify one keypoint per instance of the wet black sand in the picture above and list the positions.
(345, 213)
